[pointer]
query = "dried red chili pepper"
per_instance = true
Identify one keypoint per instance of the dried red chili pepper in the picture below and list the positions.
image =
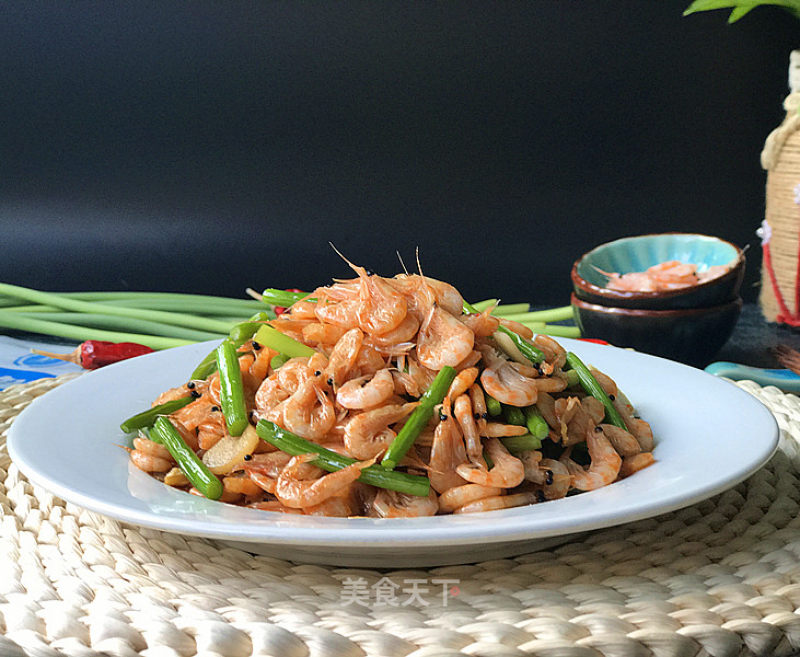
(279, 310)
(93, 354)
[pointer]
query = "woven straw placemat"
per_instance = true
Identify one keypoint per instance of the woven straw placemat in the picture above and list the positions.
(718, 579)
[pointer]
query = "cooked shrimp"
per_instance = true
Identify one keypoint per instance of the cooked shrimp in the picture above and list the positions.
(210, 432)
(334, 507)
(178, 392)
(368, 434)
(574, 420)
(604, 467)
(391, 504)
(368, 361)
(459, 496)
(606, 382)
(642, 432)
(421, 375)
(507, 472)
(308, 412)
(263, 469)
(498, 502)
(303, 309)
(238, 485)
(631, 464)
(321, 333)
(516, 327)
(478, 400)
(341, 314)
(275, 506)
(463, 413)
(262, 362)
(147, 446)
(506, 384)
(481, 324)
(269, 394)
(191, 415)
(447, 452)
(300, 493)
(446, 295)
(404, 332)
(149, 462)
(404, 384)
(500, 430)
(381, 309)
(343, 357)
(623, 442)
(292, 374)
(443, 340)
(552, 478)
(554, 353)
(462, 382)
(365, 391)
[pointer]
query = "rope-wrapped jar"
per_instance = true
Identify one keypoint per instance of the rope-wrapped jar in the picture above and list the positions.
(780, 230)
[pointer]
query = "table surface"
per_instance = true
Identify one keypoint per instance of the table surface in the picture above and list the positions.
(753, 339)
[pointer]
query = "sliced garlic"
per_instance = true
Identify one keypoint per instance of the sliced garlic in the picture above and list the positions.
(231, 450)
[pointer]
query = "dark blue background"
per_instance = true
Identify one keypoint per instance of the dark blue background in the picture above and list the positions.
(212, 146)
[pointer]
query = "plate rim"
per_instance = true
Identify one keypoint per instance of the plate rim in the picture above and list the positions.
(464, 533)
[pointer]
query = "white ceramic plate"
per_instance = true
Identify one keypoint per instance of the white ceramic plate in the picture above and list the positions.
(710, 435)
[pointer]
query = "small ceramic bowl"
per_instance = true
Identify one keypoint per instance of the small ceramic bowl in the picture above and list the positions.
(691, 336)
(636, 254)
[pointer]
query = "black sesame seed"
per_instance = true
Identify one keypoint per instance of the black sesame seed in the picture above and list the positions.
(330, 382)
(256, 346)
(442, 417)
(317, 373)
(477, 416)
(548, 477)
(248, 457)
(485, 415)
(612, 397)
(190, 385)
(598, 429)
(214, 409)
(195, 394)
(540, 496)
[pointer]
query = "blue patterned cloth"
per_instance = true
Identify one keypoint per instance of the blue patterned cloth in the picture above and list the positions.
(19, 365)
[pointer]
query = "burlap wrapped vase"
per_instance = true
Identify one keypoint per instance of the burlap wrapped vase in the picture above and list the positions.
(780, 230)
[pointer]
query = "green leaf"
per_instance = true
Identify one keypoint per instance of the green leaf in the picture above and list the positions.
(741, 7)
(737, 13)
(708, 5)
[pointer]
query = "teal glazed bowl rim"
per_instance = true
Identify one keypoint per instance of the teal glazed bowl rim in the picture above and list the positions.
(641, 251)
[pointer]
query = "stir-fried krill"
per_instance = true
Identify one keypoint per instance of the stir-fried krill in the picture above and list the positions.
(385, 398)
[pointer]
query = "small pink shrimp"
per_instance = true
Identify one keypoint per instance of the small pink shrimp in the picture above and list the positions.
(297, 492)
(343, 357)
(365, 391)
(368, 434)
(464, 379)
(459, 496)
(447, 452)
(308, 412)
(391, 504)
(443, 340)
(482, 324)
(463, 413)
(507, 472)
(505, 383)
(604, 467)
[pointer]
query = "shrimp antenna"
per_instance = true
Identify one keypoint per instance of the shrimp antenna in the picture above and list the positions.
(419, 264)
(402, 264)
(350, 264)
